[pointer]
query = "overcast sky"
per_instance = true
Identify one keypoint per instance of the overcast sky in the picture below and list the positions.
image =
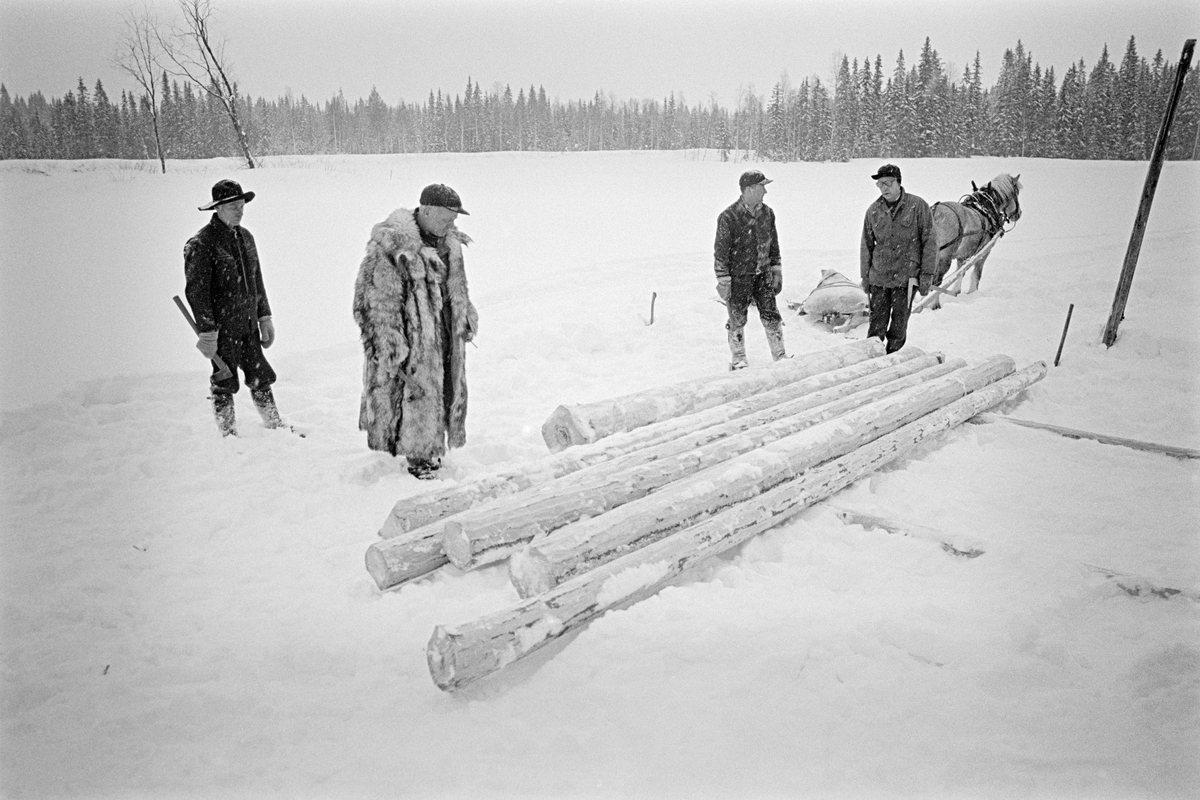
(630, 48)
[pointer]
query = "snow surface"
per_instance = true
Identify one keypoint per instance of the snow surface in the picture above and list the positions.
(186, 616)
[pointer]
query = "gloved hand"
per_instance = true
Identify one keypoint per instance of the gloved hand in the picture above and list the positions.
(266, 331)
(207, 344)
(777, 279)
(926, 284)
(866, 285)
(723, 284)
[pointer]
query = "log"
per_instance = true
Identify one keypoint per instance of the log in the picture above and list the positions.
(420, 510)
(588, 543)
(409, 554)
(459, 655)
(902, 528)
(1072, 433)
(491, 533)
(579, 424)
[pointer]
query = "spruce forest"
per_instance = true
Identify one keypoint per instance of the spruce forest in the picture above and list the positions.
(1106, 111)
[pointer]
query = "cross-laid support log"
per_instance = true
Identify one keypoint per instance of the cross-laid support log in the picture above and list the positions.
(492, 532)
(421, 510)
(409, 554)
(578, 424)
(461, 654)
(1103, 438)
(586, 544)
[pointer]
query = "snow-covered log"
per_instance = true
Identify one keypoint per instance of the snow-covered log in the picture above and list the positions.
(579, 424)
(586, 544)
(490, 533)
(420, 510)
(409, 554)
(461, 654)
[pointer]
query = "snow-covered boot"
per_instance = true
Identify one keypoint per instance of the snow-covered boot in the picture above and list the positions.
(223, 411)
(737, 349)
(775, 340)
(424, 469)
(264, 401)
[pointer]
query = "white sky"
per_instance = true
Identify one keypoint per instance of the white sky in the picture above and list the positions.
(697, 48)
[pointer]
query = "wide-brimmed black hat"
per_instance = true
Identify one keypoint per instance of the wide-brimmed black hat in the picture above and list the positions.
(887, 171)
(439, 194)
(227, 191)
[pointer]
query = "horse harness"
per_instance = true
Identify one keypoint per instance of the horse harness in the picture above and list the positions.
(986, 202)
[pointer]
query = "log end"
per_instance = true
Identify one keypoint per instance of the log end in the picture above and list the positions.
(394, 525)
(440, 655)
(530, 572)
(391, 563)
(457, 545)
(564, 429)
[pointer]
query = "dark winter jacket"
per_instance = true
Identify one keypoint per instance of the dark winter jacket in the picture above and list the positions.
(415, 318)
(898, 243)
(746, 244)
(224, 283)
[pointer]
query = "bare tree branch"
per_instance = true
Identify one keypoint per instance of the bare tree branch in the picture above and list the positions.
(137, 56)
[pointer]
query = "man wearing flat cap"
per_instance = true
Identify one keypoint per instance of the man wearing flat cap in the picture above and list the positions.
(898, 253)
(229, 303)
(415, 319)
(746, 260)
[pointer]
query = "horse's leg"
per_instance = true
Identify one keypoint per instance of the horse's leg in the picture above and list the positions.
(978, 273)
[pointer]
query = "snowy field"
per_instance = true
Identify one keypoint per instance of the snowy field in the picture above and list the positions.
(186, 616)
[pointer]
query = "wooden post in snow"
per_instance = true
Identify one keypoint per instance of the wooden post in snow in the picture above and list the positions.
(421, 510)
(491, 533)
(586, 544)
(1139, 223)
(578, 424)
(408, 554)
(461, 654)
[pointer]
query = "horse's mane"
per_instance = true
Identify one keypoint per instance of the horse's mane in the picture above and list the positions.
(1005, 185)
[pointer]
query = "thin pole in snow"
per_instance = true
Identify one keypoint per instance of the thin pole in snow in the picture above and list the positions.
(1143, 214)
(1063, 340)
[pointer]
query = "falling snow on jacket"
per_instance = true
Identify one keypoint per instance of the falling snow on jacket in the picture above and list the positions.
(898, 242)
(746, 243)
(415, 319)
(224, 283)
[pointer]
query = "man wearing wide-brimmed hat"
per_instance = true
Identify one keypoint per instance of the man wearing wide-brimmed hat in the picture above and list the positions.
(225, 290)
(415, 319)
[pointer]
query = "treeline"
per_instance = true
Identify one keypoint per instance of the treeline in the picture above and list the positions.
(1110, 111)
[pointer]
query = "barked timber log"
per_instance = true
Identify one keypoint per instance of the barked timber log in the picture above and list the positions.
(588, 422)
(492, 532)
(406, 553)
(460, 654)
(586, 544)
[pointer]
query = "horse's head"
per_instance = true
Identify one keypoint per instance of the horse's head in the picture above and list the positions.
(1008, 189)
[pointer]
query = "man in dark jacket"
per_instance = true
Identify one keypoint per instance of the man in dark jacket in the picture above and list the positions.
(748, 266)
(225, 290)
(898, 251)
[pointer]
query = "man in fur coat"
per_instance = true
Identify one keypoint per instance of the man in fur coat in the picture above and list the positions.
(415, 319)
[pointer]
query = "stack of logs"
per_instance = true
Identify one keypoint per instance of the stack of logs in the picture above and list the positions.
(643, 486)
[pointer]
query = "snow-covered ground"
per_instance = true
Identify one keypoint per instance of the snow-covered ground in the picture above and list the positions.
(186, 616)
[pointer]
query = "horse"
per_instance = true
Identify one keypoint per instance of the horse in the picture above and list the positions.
(965, 227)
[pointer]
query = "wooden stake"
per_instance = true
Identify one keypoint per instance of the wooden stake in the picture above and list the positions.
(1063, 340)
(1139, 223)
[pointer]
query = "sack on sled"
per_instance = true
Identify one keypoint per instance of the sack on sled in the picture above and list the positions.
(835, 294)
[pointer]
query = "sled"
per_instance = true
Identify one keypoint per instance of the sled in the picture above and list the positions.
(837, 302)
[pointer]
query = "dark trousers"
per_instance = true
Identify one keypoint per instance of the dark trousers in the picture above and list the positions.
(242, 351)
(742, 289)
(889, 315)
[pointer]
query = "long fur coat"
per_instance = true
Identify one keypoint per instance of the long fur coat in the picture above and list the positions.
(415, 320)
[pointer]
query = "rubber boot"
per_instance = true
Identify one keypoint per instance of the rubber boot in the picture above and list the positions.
(264, 401)
(223, 411)
(737, 349)
(775, 340)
